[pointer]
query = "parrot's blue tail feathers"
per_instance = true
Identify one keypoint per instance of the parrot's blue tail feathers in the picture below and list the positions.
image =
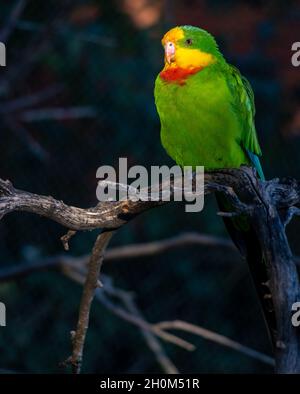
(256, 164)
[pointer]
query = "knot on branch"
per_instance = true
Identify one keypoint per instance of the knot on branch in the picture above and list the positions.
(6, 188)
(247, 193)
(283, 193)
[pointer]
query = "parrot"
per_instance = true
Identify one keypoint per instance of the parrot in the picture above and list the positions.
(207, 115)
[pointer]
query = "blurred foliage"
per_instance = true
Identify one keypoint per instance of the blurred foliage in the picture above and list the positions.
(104, 56)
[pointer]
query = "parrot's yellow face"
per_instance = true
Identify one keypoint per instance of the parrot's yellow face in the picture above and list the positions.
(182, 51)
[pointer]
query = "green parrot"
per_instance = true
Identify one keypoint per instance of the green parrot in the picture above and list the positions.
(206, 108)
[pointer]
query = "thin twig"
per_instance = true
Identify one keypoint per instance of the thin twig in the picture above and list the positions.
(58, 113)
(65, 239)
(89, 288)
(159, 328)
(74, 268)
(120, 253)
(152, 341)
(143, 324)
(217, 338)
(27, 139)
(149, 249)
(30, 100)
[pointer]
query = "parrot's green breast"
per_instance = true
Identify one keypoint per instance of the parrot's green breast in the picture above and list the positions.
(198, 123)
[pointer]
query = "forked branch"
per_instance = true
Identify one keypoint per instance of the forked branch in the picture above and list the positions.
(269, 206)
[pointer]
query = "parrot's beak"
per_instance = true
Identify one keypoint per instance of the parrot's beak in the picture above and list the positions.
(170, 52)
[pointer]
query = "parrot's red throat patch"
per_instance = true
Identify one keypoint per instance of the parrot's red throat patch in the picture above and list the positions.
(178, 75)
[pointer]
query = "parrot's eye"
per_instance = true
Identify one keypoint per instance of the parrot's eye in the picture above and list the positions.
(189, 41)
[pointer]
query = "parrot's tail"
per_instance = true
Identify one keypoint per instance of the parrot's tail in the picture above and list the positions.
(246, 240)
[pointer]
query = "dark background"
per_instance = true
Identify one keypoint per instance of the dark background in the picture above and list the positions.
(99, 60)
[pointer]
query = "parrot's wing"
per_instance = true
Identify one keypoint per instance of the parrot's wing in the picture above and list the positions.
(243, 104)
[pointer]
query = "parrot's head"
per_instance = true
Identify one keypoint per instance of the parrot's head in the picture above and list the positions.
(189, 47)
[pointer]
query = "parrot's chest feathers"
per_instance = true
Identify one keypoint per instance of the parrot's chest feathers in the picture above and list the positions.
(198, 124)
(178, 75)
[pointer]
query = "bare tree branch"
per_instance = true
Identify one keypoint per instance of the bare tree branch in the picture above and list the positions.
(111, 215)
(149, 249)
(152, 341)
(217, 338)
(57, 113)
(30, 100)
(28, 57)
(146, 249)
(75, 269)
(269, 205)
(66, 238)
(108, 215)
(27, 139)
(159, 328)
(89, 288)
